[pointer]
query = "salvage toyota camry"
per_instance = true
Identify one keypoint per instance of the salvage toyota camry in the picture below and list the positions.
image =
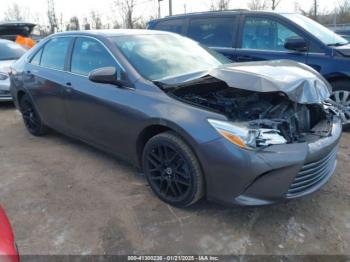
(246, 133)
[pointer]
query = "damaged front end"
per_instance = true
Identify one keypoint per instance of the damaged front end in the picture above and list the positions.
(263, 107)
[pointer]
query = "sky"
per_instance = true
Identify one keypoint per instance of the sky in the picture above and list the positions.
(36, 9)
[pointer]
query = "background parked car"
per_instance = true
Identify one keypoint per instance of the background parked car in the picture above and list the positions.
(8, 250)
(10, 30)
(9, 52)
(19, 32)
(255, 35)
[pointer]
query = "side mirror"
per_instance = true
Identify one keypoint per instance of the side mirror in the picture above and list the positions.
(296, 44)
(105, 75)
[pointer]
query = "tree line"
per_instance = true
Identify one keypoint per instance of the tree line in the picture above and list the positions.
(126, 11)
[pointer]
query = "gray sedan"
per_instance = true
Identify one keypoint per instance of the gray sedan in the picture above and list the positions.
(198, 126)
(9, 53)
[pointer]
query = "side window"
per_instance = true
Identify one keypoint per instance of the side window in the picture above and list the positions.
(213, 32)
(36, 58)
(88, 54)
(54, 53)
(265, 34)
(175, 26)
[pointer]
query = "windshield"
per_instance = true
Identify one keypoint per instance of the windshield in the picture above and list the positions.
(10, 50)
(327, 36)
(165, 55)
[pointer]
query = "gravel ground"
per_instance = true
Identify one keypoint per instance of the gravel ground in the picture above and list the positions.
(64, 197)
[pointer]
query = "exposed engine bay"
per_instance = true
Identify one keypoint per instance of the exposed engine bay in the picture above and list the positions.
(278, 119)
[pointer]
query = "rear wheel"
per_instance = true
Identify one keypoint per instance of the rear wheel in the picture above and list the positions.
(341, 98)
(172, 170)
(31, 117)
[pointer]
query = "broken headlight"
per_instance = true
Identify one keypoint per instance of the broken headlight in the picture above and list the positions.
(243, 136)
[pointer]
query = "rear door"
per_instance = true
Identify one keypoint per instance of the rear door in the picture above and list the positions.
(216, 32)
(262, 37)
(45, 78)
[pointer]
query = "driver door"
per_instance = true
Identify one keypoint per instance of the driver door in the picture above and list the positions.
(91, 110)
(262, 38)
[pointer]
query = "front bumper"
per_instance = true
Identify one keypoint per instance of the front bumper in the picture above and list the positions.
(6, 98)
(274, 174)
(5, 94)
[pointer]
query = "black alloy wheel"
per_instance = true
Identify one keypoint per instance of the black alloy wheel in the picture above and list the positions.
(31, 118)
(172, 170)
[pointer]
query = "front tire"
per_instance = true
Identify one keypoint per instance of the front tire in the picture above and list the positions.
(172, 170)
(31, 118)
(341, 98)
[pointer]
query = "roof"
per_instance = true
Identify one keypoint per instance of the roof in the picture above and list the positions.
(215, 13)
(16, 23)
(5, 41)
(113, 32)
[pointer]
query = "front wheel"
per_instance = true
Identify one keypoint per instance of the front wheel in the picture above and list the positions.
(31, 118)
(341, 98)
(172, 170)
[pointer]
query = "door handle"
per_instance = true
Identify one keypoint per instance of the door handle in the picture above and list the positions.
(68, 87)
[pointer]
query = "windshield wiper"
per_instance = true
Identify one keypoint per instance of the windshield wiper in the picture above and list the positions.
(338, 44)
(8, 58)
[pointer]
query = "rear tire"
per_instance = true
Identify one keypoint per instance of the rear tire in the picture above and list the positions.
(341, 96)
(31, 118)
(172, 170)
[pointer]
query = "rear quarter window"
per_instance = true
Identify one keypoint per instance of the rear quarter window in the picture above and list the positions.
(54, 53)
(35, 60)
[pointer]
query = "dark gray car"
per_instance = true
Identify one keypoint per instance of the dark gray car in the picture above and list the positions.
(246, 133)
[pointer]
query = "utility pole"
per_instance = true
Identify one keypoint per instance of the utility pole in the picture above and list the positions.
(315, 9)
(170, 7)
(159, 14)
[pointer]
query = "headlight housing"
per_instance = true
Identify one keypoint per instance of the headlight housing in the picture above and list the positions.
(243, 136)
(3, 76)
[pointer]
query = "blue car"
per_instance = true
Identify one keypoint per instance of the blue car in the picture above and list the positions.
(244, 36)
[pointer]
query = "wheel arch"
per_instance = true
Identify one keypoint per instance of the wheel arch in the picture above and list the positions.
(146, 134)
(19, 95)
(156, 127)
(338, 78)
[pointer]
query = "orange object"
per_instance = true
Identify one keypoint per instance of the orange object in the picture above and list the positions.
(26, 42)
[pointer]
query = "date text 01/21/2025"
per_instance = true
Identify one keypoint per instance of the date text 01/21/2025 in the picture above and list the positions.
(173, 258)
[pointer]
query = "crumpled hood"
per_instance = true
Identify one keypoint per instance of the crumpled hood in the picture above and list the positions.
(299, 82)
